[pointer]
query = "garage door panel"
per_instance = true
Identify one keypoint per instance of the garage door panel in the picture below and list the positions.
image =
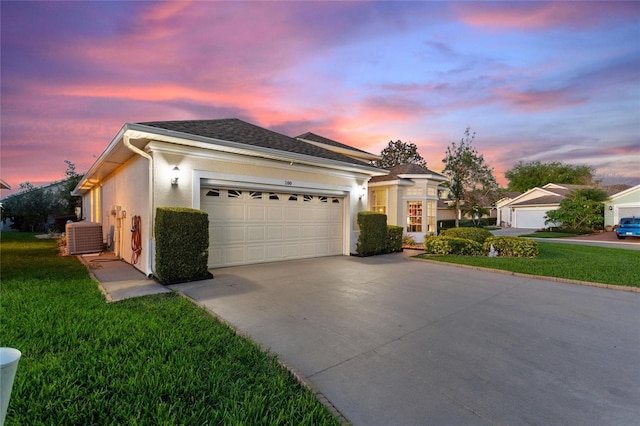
(256, 213)
(275, 213)
(255, 233)
(234, 234)
(274, 232)
(255, 253)
(252, 226)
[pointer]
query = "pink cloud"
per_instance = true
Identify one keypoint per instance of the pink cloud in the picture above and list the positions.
(538, 100)
(542, 15)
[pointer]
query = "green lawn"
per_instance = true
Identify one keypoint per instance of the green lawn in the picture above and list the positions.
(571, 261)
(154, 360)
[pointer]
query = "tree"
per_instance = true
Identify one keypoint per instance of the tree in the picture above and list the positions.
(470, 178)
(581, 211)
(31, 208)
(398, 153)
(524, 176)
(28, 209)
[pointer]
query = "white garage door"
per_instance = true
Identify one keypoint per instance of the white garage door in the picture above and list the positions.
(529, 218)
(255, 226)
(629, 211)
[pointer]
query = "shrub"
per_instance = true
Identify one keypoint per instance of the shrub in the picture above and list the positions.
(476, 234)
(512, 246)
(452, 245)
(394, 238)
(408, 240)
(182, 242)
(373, 233)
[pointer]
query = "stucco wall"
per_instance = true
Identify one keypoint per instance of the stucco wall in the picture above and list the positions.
(127, 188)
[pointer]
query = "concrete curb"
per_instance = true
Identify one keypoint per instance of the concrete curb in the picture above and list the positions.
(296, 375)
(535, 277)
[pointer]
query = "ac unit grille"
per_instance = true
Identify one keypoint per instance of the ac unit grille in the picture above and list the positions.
(84, 237)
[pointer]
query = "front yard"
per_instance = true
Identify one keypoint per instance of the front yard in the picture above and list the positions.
(570, 261)
(154, 360)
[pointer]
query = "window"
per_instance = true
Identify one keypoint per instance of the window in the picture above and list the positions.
(232, 193)
(307, 197)
(293, 197)
(322, 199)
(415, 190)
(336, 201)
(414, 216)
(273, 196)
(213, 193)
(379, 201)
(255, 195)
(431, 216)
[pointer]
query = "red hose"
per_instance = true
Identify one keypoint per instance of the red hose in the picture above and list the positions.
(136, 239)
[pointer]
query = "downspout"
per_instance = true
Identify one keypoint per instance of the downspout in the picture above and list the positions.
(136, 150)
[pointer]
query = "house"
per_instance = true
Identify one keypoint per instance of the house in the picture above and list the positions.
(270, 197)
(528, 210)
(408, 195)
(503, 211)
(622, 204)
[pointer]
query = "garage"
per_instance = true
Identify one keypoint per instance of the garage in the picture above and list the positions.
(255, 226)
(530, 218)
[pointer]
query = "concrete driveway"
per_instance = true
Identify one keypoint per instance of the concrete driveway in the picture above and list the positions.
(395, 341)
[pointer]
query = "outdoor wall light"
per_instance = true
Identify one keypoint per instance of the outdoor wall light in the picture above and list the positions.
(363, 192)
(175, 174)
(610, 207)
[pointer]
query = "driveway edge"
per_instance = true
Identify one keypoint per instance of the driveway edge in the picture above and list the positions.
(296, 375)
(536, 277)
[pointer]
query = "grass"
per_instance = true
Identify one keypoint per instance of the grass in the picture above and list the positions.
(155, 360)
(570, 261)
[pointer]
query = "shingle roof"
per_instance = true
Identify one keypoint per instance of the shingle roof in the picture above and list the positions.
(235, 130)
(405, 169)
(544, 200)
(317, 138)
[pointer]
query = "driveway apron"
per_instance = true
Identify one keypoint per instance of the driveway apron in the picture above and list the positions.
(391, 340)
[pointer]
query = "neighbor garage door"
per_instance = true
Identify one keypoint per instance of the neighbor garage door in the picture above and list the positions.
(629, 211)
(248, 226)
(530, 218)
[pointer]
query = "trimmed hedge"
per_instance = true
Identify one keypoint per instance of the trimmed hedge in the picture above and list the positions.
(394, 238)
(467, 223)
(182, 242)
(452, 245)
(475, 234)
(373, 233)
(512, 246)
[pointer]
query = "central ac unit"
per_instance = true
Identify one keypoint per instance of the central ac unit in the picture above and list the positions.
(84, 237)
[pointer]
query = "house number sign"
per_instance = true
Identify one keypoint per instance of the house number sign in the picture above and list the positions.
(288, 182)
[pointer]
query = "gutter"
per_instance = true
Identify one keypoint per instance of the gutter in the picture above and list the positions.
(125, 139)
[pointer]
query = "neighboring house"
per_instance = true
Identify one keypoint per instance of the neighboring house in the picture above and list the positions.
(622, 204)
(503, 211)
(528, 210)
(408, 195)
(4, 185)
(270, 197)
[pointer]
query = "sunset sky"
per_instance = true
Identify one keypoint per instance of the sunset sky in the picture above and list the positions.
(548, 81)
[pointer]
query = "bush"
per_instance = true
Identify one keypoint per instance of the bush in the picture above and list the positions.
(408, 240)
(182, 242)
(373, 237)
(512, 246)
(394, 238)
(467, 223)
(452, 245)
(476, 234)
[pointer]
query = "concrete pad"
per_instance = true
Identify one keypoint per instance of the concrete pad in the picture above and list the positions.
(390, 340)
(120, 280)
